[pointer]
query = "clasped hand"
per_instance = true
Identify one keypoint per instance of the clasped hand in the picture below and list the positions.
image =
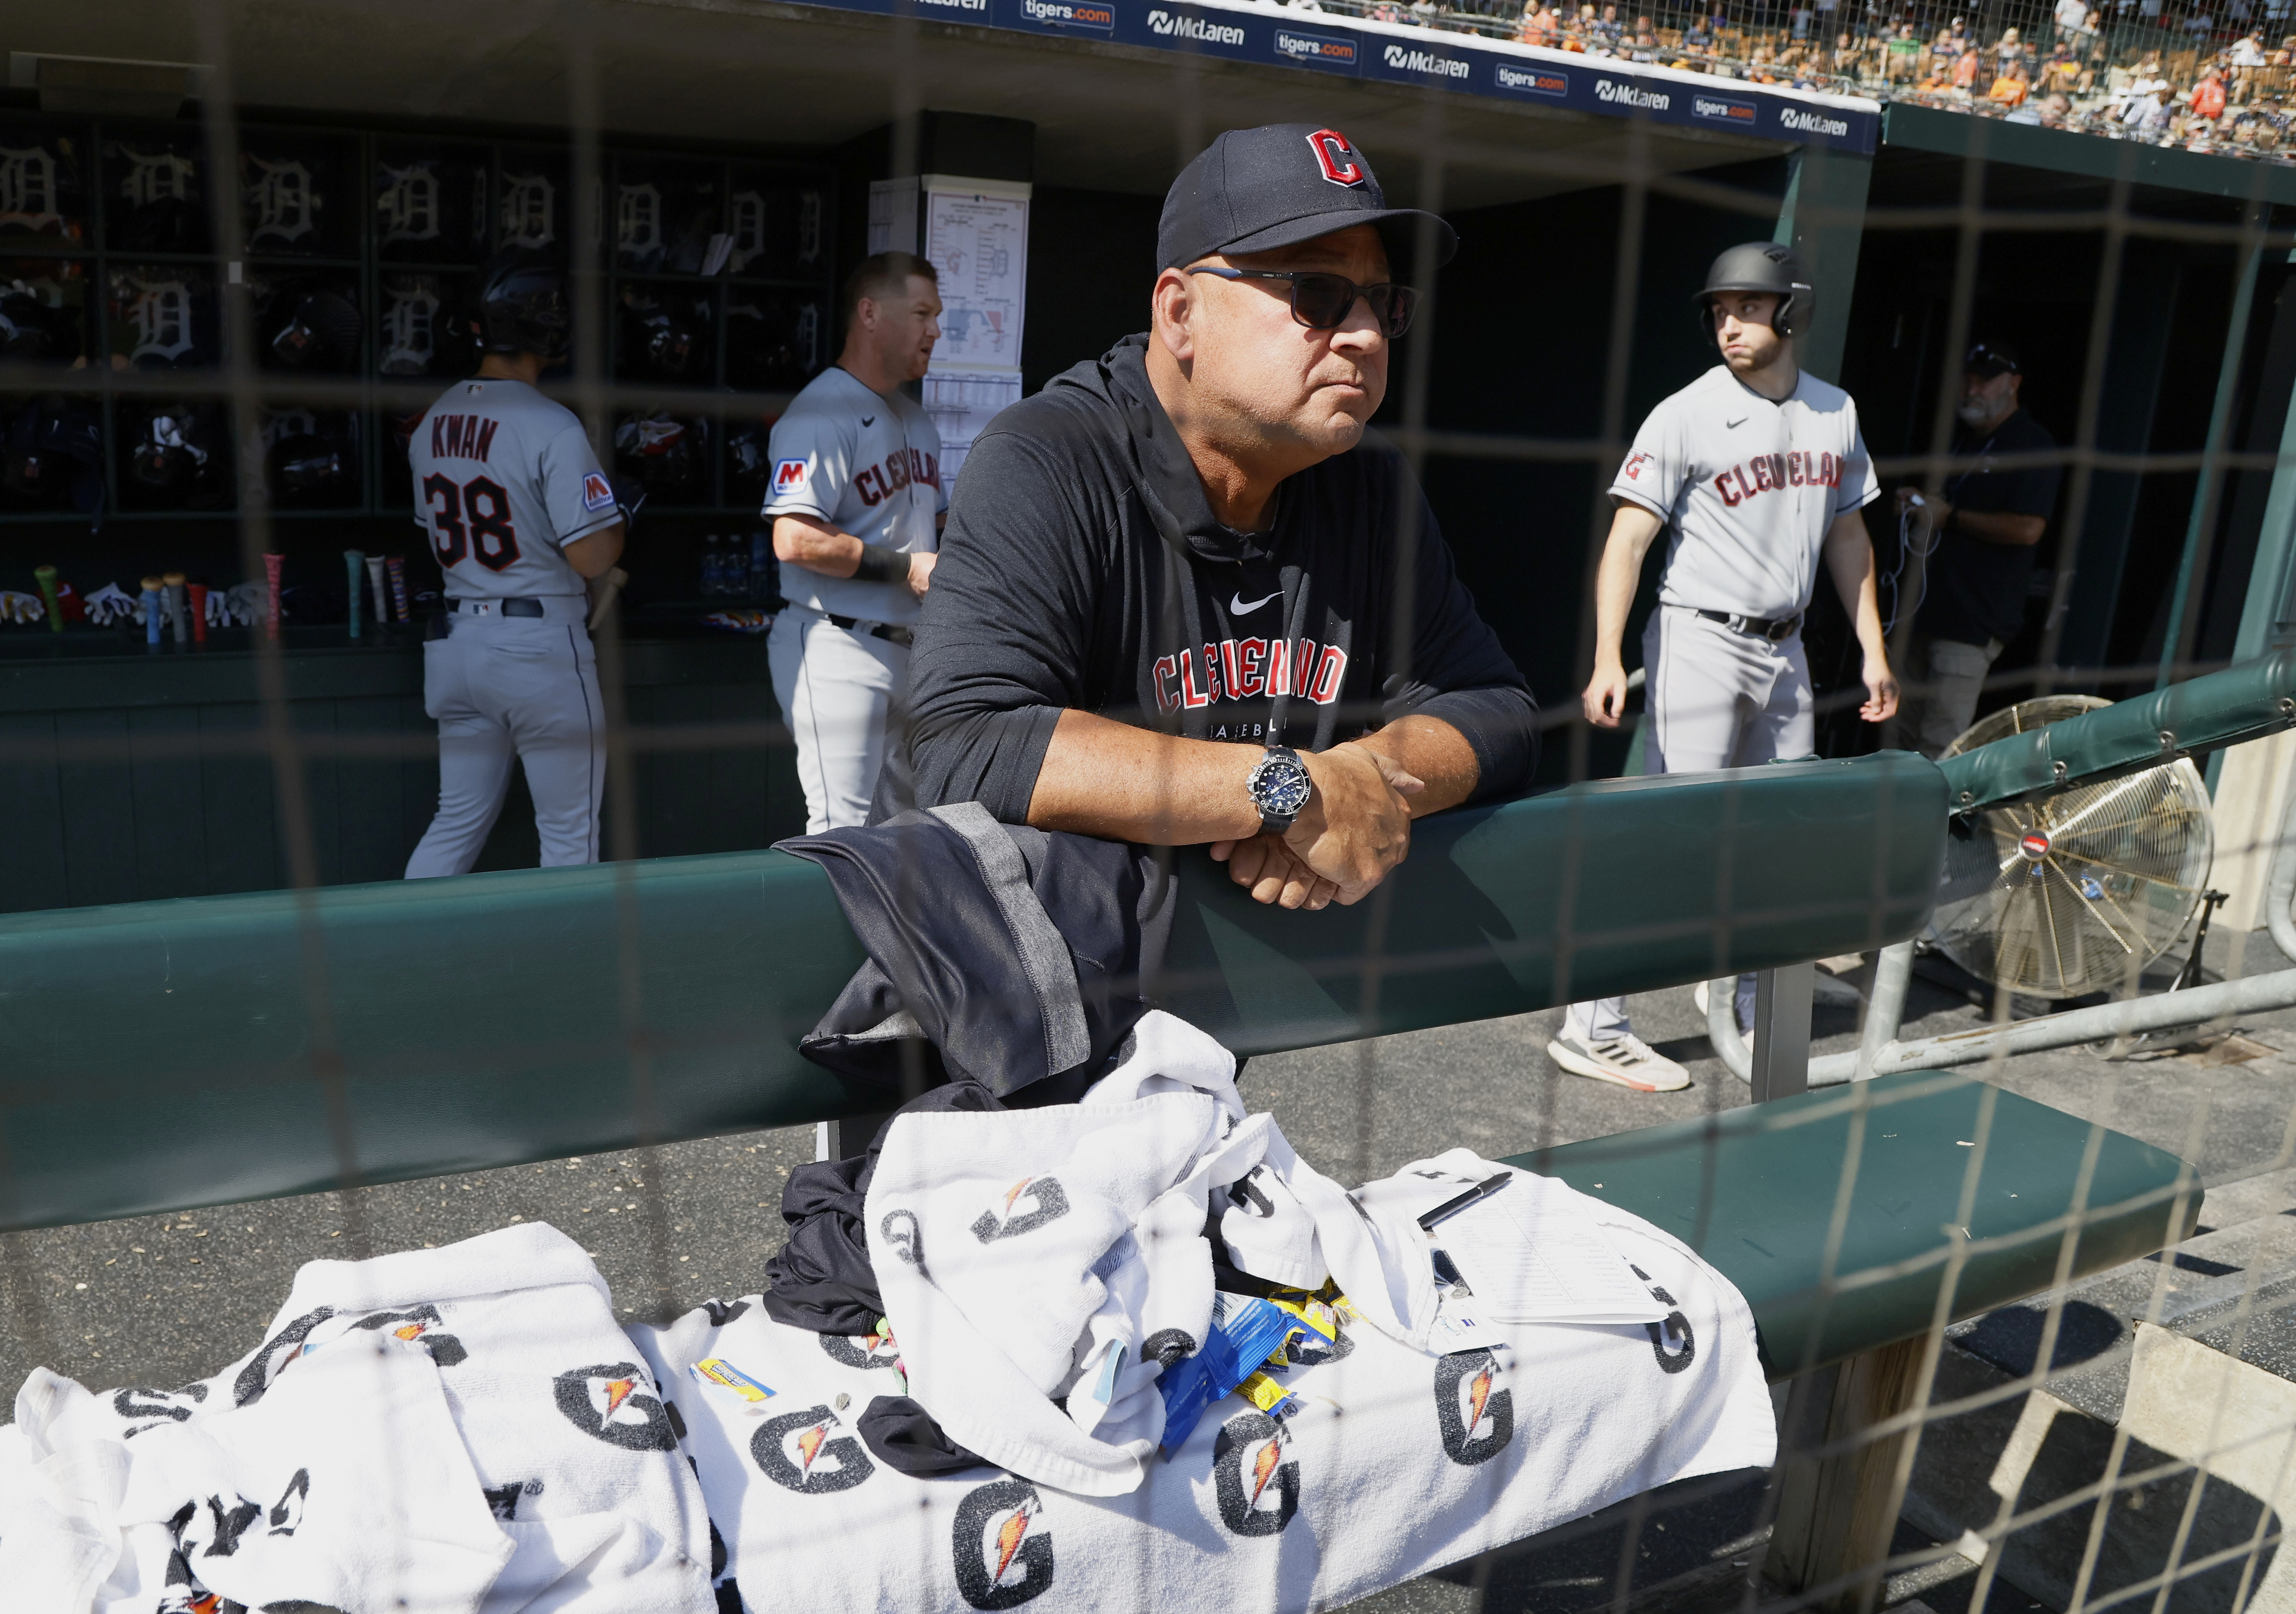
(1356, 827)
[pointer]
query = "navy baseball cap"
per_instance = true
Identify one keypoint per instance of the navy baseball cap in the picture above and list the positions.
(1989, 359)
(1253, 190)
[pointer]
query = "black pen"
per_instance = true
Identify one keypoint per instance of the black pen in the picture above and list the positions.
(1480, 1190)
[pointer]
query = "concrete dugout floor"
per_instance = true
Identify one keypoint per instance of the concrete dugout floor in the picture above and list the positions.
(162, 1300)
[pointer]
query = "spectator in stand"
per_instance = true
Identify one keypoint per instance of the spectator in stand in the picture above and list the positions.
(2007, 49)
(1646, 42)
(1849, 62)
(2073, 27)
(1608, 33)
(2247, 57)
(1904, 55)
(1985, 523)
(2207, 102)
(2200, 25)
(1965, 74)
(2054, 110)
(2011, 86)
(1802, 16)
(1538, 25)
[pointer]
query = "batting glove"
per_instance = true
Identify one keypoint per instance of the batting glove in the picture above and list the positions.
(20, 607)
(109, 604)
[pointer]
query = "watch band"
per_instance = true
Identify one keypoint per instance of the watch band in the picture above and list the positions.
(1273, 822)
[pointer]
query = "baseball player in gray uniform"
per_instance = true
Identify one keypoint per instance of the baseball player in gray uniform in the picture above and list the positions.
(1755, 471)
(520, 516)
(857, 503)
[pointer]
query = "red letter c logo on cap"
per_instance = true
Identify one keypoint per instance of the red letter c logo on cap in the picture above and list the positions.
(1336, 156)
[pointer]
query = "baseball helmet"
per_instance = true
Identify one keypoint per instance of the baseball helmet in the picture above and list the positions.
(525, 310)
(308, 469)
(28, 328)
(1762, 266)
(168, 457)
(322, 334)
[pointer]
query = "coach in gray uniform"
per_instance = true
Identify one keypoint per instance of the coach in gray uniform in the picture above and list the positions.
(1756, 470)
(857, 503)
(520, 517)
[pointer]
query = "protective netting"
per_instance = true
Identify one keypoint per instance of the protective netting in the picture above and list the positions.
(224, 319)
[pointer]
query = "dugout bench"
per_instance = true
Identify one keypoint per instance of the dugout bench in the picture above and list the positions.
(171, 1054)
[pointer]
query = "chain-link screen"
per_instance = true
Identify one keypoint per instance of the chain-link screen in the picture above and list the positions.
(1529, 772)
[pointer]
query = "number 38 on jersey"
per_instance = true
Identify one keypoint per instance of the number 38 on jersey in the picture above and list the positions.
(471, 518)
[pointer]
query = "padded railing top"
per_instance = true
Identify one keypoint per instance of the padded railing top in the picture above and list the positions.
(2243, 702)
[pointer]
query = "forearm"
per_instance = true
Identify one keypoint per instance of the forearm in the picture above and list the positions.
(593, 555)
(1105, 778)
(816, 545)
(1432, 750)
(1849, 558)
(1632, 530)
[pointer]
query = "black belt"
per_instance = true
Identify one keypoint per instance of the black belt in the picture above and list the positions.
(1776, 629)
(886, 631)
(503, 607)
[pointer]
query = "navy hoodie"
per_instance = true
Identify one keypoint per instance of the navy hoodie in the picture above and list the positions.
(1082, 567)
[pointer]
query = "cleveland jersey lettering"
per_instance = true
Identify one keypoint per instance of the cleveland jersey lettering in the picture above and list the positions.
(868, 465)
(1774, 471)
(1748, 486)
(877, 483)
(1250, 669)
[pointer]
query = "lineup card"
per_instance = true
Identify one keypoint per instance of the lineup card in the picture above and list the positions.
(1531, 1255)
(980, 243)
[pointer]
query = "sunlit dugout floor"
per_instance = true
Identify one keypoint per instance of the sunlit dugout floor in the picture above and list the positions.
(162, 1301)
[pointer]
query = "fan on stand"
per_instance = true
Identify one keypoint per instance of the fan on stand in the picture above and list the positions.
(2079, 892)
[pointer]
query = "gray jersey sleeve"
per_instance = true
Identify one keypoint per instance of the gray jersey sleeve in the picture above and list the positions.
(574, 489)
(1860, 485)
(813, 452)
(1658, 465)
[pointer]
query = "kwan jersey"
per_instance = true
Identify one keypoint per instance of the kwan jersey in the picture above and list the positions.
(504, 479)
(1748, 488)
(867, 464)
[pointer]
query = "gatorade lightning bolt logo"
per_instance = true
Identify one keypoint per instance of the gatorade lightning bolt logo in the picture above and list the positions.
(610, 1403)
(1674, 1327)
(1052, 1203)
(418, 1326)
(804, 1452)
(1258, 1489)
(1467, 1399)
(1002, 1553)
(864, 1351)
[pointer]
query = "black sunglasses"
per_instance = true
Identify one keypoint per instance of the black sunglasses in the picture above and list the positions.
(1322, 301)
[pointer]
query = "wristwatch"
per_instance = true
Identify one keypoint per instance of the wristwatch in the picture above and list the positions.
(1279, 787)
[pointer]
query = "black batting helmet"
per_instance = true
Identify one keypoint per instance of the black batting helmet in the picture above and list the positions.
(1762, 266)
(525, 310)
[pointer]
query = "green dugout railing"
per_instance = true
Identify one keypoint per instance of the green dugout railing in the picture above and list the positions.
(170, 1054)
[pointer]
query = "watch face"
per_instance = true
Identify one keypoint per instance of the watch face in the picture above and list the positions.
(1280, 785)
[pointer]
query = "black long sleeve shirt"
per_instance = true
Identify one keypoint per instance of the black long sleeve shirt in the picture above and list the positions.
(1082, 567)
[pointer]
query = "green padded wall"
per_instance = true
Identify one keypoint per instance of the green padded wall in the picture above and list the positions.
(169, 1054)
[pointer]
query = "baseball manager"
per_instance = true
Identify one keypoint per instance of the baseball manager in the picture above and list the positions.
(1181, 599)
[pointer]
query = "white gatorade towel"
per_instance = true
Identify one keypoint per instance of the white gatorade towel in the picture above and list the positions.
(1392, 1461)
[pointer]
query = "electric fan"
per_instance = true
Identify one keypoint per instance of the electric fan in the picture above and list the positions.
(2078, 891)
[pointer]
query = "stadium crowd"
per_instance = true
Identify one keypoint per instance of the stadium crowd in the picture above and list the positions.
(2206, 75)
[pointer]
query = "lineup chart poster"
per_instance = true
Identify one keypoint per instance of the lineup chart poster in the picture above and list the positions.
(980, 243)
